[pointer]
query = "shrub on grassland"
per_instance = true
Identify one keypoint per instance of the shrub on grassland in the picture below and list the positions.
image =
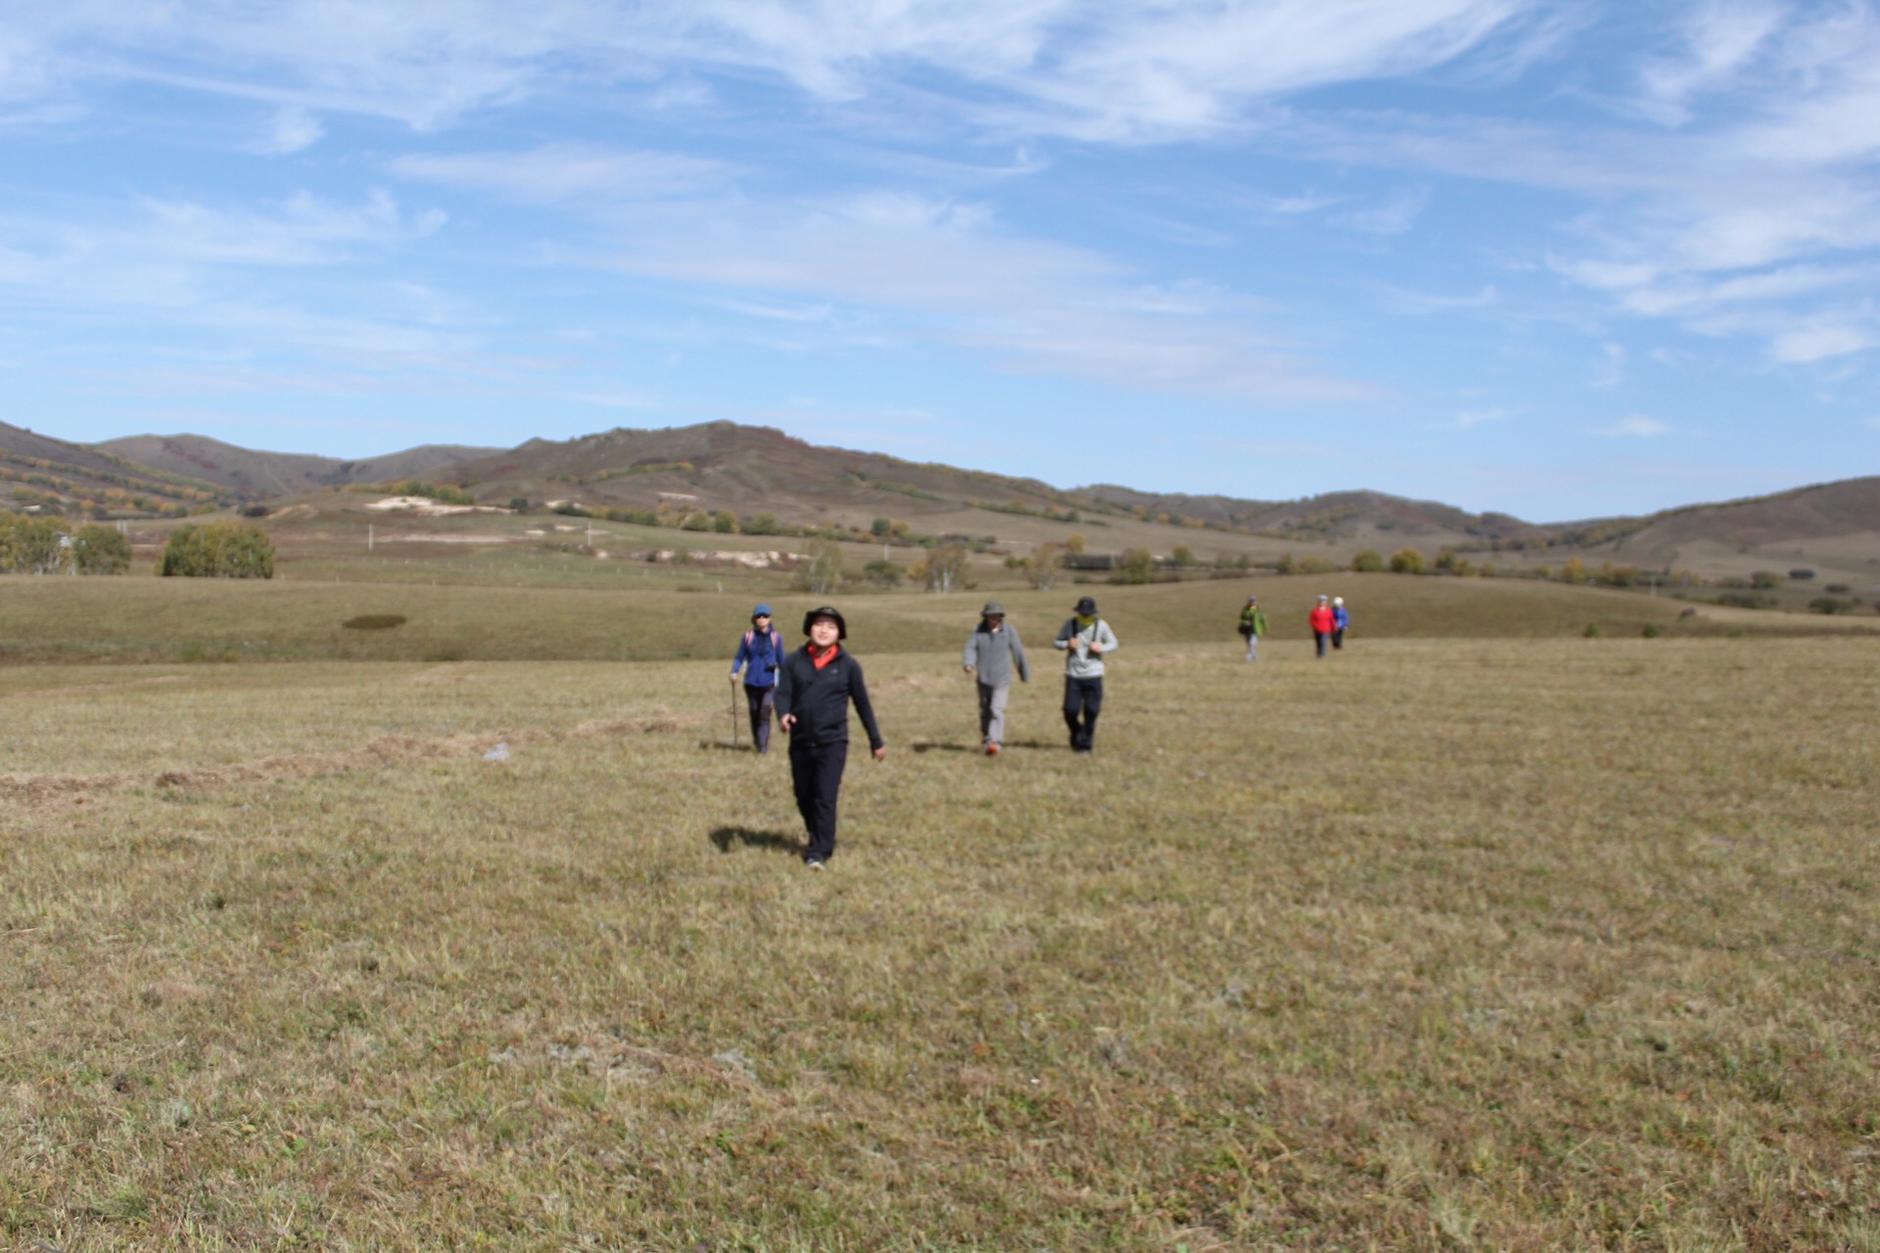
(101, 550)
(30, 545)
(218, 550)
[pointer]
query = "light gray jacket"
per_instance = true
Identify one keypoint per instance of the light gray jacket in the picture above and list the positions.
(993, 654)
(1079, 663)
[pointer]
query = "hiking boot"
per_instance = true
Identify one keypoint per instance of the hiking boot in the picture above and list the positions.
(814, 863)
(992, 750)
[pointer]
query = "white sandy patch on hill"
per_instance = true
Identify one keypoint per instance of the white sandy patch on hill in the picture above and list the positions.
(426, 507)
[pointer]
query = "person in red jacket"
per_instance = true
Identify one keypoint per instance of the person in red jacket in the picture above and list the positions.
(1321, 621)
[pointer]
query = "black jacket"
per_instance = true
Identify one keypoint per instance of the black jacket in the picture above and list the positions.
(820, 699)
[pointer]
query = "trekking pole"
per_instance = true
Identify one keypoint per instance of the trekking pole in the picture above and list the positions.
(734, 718)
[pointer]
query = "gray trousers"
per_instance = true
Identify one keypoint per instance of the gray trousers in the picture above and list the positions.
(992, 711)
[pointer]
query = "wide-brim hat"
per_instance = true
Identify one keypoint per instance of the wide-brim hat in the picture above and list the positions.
(833, 614)
(1086, 605)
(993, 609)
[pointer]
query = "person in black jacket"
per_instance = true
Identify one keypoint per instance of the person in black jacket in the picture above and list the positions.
(814, 689)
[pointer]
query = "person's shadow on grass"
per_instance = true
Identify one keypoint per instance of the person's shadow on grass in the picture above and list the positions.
(943, 746)
(725, 837)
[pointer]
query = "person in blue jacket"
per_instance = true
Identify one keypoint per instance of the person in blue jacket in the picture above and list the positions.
(760, 654)
(1340, 620)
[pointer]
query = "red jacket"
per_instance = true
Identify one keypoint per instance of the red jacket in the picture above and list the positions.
(1321, 619)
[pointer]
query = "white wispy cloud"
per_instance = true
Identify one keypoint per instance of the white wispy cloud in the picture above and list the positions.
(293, 130)
(1396, 214)
(564, 172)
(1694, 295)
(1469, 419)
(1403, 300)
(1134, 70)
(1808, 344)
(1825, 104)
(949, 271)
(1610, 371)
(1635, 426)
(779, 312)
(1718, 40)
(301, 230)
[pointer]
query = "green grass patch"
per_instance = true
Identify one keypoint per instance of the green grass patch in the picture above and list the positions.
(155, 620)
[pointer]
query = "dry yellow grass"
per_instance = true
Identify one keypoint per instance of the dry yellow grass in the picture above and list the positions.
(1509, 943)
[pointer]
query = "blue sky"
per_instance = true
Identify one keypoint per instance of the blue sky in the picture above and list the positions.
(1556, 259)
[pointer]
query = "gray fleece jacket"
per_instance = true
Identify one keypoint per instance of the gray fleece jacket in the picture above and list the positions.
(994, 654)
(1079, 661)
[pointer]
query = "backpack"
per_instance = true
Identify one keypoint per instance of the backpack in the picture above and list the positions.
(776, 648)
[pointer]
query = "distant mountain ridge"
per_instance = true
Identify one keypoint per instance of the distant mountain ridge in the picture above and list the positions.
(260, 476)
(748, 470)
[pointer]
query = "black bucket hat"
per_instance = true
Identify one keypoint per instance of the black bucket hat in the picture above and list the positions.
(1086, 606)
(830, 612)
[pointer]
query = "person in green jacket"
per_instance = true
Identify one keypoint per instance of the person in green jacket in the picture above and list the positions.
(1253, 626)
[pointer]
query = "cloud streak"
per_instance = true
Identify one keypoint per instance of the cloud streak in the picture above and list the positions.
(1129, 72)
(1634, 427)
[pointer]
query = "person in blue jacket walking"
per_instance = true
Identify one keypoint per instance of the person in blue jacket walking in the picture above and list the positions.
(1340, 620)
(760, 654)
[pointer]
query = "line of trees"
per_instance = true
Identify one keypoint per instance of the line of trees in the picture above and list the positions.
(32, 544)
(39, 545)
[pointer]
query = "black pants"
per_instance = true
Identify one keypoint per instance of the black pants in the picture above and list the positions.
(1338, 637)
(1082, 696)
(816, 771)
(759, 701)
(1319, 637)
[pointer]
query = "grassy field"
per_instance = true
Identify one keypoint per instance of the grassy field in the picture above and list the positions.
(663, 614)
(1533, 941)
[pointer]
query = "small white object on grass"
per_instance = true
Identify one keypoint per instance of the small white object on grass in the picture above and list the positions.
(499, 753)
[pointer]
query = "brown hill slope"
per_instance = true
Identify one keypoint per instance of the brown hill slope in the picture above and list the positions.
(1833, 528)
(40, 472)
(1353, 515)
(750, 470)
(254, 475)
(1820, 511)
(722, 465)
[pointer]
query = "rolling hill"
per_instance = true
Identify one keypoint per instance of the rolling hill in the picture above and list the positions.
(722, 465)
(260, 476)
(40, 472)
(748, 470)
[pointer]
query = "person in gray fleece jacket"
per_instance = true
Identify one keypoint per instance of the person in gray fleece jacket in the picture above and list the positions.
(1086, 640)
(993, 651)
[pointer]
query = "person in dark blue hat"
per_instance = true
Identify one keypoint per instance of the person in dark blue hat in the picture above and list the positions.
(760, 656)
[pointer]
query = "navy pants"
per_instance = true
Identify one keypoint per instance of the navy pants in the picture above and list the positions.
(759, 700)
(1319, 637)
(1082, 697)
(816, 772)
